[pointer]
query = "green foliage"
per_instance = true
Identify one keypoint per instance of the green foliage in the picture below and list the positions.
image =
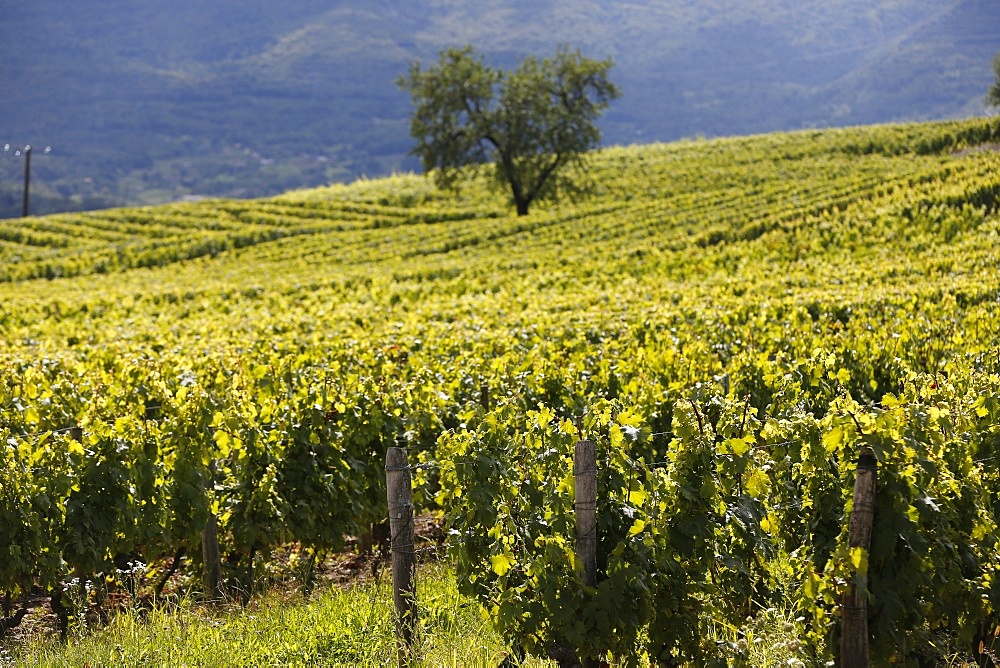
(533, 124)
(731, 321)
(993, 97)
(510, 484)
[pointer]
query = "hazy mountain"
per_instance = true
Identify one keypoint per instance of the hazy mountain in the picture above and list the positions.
(148, 100)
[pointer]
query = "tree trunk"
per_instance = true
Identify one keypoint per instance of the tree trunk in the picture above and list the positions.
(174, 565)
(9, 621)
(564, 655)
(248, 585)
(61, 613)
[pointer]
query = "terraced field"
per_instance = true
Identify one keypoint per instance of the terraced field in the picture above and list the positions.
(760, 308)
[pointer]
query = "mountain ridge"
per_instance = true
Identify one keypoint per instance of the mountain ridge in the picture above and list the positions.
(148, 102)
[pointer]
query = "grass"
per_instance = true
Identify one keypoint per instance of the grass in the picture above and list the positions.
(335, 627)
(351, 626)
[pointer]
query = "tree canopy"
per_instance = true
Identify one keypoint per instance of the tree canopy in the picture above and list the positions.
(993, 97)
(532, 126)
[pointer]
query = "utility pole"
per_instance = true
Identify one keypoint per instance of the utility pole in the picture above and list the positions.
(26, 203)
(27, 179)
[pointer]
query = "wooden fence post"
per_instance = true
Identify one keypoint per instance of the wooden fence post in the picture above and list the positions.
(854, 650)
(210, 557)
(399, 495)
(484, 395)
(585, 509)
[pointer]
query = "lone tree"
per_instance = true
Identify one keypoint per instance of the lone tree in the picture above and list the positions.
(993, 97)
(534, 124)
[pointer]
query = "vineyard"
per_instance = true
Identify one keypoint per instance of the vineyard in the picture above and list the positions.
(732, 322)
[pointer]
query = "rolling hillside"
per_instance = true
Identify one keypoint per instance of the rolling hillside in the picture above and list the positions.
(732, 321)
(148, 102)
(404, 216)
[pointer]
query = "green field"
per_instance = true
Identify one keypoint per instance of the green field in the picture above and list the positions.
(731, 320)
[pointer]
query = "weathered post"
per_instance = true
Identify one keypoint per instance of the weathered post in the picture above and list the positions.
(27, 181)
(399, 495)
(484, 395)
(210, 558)
(854, 650)
(585, 507)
